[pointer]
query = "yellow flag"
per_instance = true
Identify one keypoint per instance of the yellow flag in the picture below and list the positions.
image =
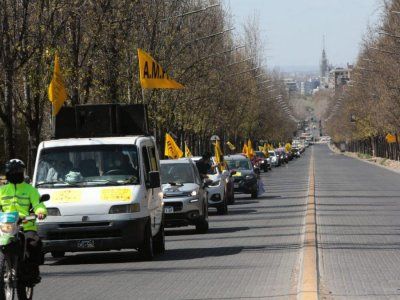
(390, 138)
(152, 76)
(56, 91)
(171, 148)
(250, 150)
(265, 150)
(218, 152)
(245, 150)
(231, 146)
(187, 151)
(219, 155)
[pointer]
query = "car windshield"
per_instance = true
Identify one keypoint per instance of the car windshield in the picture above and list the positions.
(177, 173)
(92, 165)
(272, 153)
(241, 164)
(260, 154)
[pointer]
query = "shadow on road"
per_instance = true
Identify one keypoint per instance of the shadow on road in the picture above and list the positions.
(102, 258)
(175, 232)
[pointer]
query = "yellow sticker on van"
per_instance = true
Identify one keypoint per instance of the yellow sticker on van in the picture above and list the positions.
(66, 196)
(116, 195)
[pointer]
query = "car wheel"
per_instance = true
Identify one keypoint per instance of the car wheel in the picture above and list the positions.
(57, 254)
(231, 199)
(223, 208)
(202, 225)
(146, 251)
(159, 240)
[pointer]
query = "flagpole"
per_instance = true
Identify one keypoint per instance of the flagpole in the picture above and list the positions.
(52, 122)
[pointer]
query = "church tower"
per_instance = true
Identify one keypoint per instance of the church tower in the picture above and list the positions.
(324, 61)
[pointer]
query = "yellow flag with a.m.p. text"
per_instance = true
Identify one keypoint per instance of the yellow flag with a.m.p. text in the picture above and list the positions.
(152, 75)
(57, 91)
(171, 148)
(188, 153)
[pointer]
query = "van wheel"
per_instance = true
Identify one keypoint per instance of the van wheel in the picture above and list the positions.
(146, 251)
(159, 241)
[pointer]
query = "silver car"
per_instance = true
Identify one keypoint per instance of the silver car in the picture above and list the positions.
(185, 197)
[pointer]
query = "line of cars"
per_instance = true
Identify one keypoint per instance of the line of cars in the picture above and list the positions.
(187, 197)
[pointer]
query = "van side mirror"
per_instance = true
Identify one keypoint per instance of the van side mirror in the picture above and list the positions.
(154, 180)
(44, 198)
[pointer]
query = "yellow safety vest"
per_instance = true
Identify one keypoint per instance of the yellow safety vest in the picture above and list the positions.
(20, 198)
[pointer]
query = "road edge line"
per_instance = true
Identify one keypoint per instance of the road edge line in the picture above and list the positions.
(308, 283)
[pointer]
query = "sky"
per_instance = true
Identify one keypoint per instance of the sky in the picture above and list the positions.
(293, 30)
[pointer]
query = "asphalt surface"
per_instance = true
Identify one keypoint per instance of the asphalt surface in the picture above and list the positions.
(358, 225)
(252, 253)
(255, 251)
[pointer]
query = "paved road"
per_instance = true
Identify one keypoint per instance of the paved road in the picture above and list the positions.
(252, 253)
(358, 218)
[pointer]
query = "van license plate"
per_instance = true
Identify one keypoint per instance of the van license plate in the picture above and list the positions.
(169, 209)
(86, 244)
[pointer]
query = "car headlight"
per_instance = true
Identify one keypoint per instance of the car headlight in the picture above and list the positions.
(53, 211)
(263, 161)
(193, 193)
(248, 177)
(9, 228)
(125, 208)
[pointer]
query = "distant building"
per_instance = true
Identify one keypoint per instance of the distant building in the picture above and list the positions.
(291, 85)
(338, 77)
(324, 65)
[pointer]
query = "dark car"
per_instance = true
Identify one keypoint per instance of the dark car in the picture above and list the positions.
(262, 160)
(295, 152)
(245, 178)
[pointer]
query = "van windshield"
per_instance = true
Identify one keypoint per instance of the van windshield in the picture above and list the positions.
(92, 165)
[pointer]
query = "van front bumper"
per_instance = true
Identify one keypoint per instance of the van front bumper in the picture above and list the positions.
(92, 236)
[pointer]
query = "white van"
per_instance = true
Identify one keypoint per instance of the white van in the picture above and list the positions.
(104, 192)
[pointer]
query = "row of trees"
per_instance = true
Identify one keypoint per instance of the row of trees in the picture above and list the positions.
(227, 88)
(369, 106)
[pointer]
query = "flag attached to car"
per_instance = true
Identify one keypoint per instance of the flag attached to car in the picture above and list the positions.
(152, 75)
(187, 151)
(171, 148)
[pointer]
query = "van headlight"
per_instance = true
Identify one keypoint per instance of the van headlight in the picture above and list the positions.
(125, 208)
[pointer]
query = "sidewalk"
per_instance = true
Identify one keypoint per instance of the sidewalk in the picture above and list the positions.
(392, 165)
